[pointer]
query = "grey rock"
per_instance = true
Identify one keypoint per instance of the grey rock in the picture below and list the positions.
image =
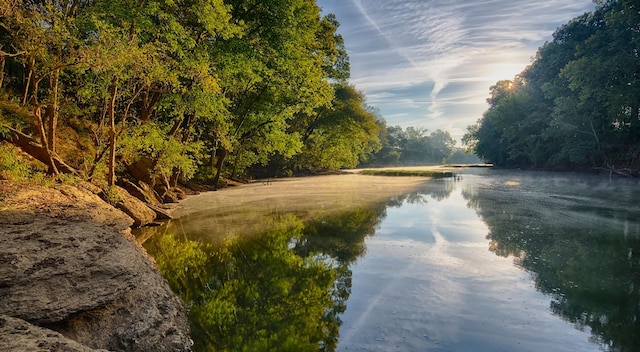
(17, 335)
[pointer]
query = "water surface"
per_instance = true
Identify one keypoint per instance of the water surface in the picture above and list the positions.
(496, 261)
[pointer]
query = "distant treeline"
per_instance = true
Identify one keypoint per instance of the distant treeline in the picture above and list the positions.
(415, 146)
(577, 105)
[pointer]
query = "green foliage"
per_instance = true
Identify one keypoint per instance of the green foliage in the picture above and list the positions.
(12, 166)
(576, 105)
(149, 140)
(413, 146)
(242, 82)
(339, 136)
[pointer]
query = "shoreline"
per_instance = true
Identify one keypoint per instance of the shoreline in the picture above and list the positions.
(329, 190)
(295, 188)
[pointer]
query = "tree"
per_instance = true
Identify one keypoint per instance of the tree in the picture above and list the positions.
(268, 90)
(342, 135)
(576, 105)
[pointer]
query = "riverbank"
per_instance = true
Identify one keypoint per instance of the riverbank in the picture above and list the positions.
(248, 208)
(326, 191)
(72, 277)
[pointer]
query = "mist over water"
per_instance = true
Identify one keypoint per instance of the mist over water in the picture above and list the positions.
(496, 261)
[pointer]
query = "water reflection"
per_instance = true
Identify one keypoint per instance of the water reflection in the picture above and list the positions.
(283, 289)
(415, 272)
(579, 238)
(256, 294)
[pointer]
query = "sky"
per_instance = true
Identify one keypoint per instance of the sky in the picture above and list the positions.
(430, 63)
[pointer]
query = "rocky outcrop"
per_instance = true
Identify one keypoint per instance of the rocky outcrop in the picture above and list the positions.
(69, 264)
(17, 335)
(136, 209)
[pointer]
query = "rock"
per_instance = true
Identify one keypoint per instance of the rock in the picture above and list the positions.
(170, 197)
(142, 191)
(64, 269)
(132, 206)
(17, 335)
(53, 268)
(161, 214)
(148, 318)
(80, 203)
(180, 192)
(141, 169)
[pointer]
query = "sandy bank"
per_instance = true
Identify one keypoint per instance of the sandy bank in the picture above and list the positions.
(302, 192)
(247, 209)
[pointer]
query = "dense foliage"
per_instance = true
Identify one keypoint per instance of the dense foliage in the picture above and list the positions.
(162, 90)
(577, 105)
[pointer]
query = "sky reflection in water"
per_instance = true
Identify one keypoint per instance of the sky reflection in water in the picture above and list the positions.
(429, 282)
(500, 261)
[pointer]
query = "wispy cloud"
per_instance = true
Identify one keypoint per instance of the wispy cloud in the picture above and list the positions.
(430, 63)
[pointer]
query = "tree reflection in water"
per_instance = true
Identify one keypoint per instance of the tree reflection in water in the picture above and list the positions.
(283, 290)
(280, 290)
(582, 251)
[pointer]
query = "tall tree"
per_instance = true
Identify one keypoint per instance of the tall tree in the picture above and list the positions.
(342, 135)
(272, 73)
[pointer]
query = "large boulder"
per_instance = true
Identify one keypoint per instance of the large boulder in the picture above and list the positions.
(141, 190)
(68, 263)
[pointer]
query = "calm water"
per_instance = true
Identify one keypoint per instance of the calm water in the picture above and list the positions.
(497, 261)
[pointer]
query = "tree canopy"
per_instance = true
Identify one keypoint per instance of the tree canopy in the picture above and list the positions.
(160, 90)
(576, 105)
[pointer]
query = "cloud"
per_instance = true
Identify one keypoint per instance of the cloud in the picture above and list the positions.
(430, 63)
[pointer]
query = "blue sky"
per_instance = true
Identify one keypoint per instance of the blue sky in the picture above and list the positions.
(430, 63)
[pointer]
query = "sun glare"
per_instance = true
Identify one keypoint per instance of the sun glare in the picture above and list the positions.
(502, 71)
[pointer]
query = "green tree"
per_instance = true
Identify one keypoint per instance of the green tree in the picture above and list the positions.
(339, 136)
(576, 104)
(271, 74)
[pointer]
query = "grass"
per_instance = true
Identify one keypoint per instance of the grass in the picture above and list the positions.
(422, 173)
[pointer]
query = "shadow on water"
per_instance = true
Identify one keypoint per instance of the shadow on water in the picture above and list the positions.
(579, 238)
(282, 289)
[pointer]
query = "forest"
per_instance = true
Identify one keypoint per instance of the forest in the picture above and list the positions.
(153, 93)
(577, 105)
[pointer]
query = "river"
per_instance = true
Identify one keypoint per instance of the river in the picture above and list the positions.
(489, 261)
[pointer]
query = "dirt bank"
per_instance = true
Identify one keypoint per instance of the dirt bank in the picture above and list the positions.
(73, 279)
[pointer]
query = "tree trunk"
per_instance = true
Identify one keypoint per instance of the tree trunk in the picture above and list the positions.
(221, 156)
(111, 176)
(149, 100)
(175, 177)
(32, 63)
(186, 134)
(2, 61)
(235, 162)
(43, 139)
(31, 147)
(52, 112)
